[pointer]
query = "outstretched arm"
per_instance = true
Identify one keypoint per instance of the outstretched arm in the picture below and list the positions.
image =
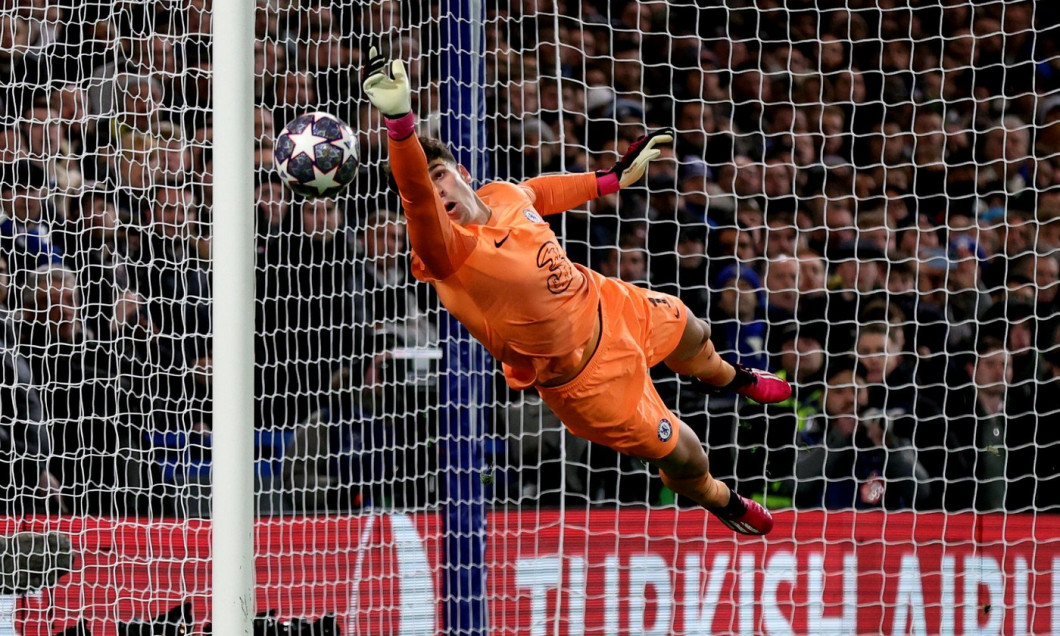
(558, 193)
(553, 193)
(436, 241)
(434, 238)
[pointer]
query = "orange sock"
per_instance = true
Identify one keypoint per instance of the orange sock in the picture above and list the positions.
(704, 490)
(706, 365)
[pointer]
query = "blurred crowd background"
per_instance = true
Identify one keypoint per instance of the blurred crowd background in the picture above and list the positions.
(861, 196)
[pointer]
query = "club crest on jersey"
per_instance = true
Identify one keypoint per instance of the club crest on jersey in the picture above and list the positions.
(666, 430)
(532, 216)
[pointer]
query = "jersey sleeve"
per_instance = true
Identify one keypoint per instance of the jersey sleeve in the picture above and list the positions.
(441, 249)
(555, 193)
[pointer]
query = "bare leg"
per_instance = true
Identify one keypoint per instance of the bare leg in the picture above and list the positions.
(686, 471)
(695, 356)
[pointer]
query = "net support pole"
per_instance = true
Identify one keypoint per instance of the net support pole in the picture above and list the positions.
(465, 385)
(233, 318)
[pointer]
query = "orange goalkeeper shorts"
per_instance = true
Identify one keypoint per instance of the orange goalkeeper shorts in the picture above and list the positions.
(612, 401)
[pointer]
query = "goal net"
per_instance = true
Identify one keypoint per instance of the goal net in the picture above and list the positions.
(860, 197)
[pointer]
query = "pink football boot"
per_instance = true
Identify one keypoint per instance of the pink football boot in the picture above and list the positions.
(744, 516)
(763, 387)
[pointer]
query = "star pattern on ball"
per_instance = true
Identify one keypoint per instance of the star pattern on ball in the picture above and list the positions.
(324, 181)
(305, 141)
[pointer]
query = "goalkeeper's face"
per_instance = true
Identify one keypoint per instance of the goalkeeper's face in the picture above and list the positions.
(452, 182)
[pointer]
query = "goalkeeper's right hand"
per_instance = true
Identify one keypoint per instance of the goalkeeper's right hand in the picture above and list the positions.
(391, 94)
(632, 166)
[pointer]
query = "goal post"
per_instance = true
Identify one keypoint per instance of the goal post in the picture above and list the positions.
(233, 478)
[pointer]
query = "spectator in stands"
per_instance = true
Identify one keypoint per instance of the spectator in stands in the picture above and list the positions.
(768, 435)
(782, 235)
(293, 93)
(130, 164)
(275, 230)
(858, 456)
(629, 263)
(987, 443)
(336, 459)
(738, 317)
(28, 486)
(694, 188)
(1046, 282)
(386, 300)
(314, 308)
(535, 439)
(69, 102)
(44, 144)
(135, 107)
(782, 293)
(1047, 437)
(78, 385)
(174, 156)
(25, 221)
(22, 69)
(172, 263)
(97, 252)
(774, 123)
(1006, 164)
(169, 262)
(1048, 213)
(692, 266)
(265, 136)
(873, 228)
(1013, 322)
(896, 389)
(812, 281)
(881, 471)
(879, 351)
(698, 136)
(855, 282)
(826, 438)
(274, 210)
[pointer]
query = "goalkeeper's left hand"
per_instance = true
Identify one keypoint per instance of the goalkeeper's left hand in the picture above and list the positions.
(391, 94)
(631, 167)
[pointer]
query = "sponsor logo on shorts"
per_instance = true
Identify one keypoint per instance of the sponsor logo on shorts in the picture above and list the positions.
(532, 216)
(666, 430)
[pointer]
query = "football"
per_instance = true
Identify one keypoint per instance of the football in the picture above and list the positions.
(316, 155)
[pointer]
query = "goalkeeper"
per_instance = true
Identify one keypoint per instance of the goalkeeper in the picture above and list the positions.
(583, 340)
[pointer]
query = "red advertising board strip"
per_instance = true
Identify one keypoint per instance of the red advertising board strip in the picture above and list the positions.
(605, 572)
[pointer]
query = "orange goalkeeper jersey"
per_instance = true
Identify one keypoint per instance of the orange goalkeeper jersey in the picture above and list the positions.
(507, 281)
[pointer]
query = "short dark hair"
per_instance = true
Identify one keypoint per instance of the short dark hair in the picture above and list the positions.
(840, 363)
(878, 328)
(883, 311)
(984, 344)
(434, 149)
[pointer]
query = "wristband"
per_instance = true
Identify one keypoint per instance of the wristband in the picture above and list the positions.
(401, 127)
(607, 183)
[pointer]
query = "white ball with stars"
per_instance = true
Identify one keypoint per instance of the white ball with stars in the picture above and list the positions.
(316, 155)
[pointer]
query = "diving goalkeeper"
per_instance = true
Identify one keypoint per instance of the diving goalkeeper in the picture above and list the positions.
(583, 340)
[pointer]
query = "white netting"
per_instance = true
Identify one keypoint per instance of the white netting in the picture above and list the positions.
(861, 196)
(850, 184)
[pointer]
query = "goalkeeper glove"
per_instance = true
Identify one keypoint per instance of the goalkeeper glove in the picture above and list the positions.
(631, 167)
(391, 94)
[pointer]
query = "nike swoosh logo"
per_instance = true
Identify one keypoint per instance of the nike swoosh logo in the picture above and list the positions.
(501, 242)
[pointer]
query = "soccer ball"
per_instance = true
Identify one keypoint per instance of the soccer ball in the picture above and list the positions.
(316, 155)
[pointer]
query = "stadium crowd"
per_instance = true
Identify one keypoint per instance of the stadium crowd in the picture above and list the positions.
(864, 199)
